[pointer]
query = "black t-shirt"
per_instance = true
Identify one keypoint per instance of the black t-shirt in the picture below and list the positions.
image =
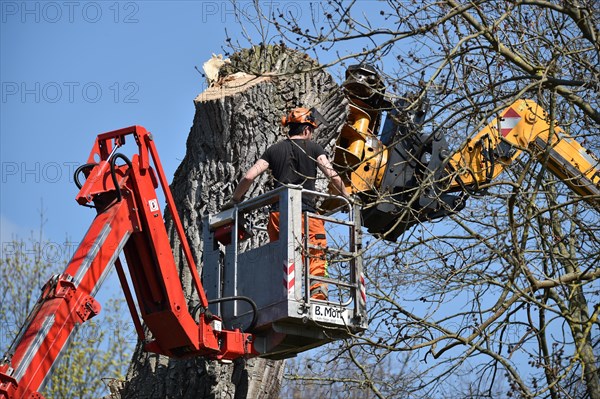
(295, 162)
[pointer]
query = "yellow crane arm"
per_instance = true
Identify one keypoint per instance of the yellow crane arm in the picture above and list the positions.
(524, 125)
(404, 175)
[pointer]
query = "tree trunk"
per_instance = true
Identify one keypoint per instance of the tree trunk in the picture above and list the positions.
(235, 121)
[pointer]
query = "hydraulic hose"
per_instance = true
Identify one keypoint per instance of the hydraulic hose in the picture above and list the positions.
(79, 170)
(236, 298)
(113, 173)
(492, 161)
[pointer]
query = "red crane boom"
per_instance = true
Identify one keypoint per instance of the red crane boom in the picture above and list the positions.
(128, 220)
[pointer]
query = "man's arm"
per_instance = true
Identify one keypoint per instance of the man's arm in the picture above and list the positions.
(327, 169)
(256, 170)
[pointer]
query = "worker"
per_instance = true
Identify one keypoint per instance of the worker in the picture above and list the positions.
(294, 161)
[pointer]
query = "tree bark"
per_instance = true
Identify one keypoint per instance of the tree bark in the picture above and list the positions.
(235, 121)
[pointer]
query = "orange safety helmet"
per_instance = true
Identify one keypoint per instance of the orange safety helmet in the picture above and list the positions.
(304, 116)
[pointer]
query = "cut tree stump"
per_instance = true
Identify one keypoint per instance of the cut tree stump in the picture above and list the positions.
(236, 120)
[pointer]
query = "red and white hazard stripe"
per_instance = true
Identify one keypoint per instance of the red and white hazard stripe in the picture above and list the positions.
(289, 277)
(363, 291)
(508, 121)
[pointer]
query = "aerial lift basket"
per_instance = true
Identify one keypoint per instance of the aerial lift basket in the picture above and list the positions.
(283, 317)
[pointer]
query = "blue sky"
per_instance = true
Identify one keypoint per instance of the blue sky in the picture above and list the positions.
(71, 70)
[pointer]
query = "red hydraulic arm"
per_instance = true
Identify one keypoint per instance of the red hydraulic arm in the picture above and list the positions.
(129, 220)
